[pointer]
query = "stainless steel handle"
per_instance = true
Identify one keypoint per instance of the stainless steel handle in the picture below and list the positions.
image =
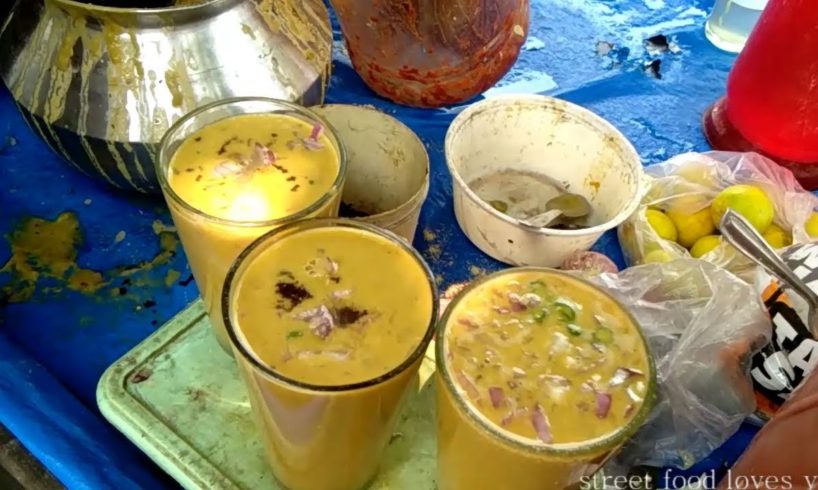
(741, 234)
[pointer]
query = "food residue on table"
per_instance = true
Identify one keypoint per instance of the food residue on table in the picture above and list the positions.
(44, 258)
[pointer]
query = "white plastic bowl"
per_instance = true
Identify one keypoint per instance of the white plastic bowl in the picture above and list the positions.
(547, 136)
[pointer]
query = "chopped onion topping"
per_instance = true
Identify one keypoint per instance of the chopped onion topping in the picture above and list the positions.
(603, 404)
(556, 380)
(622, 375)
(541, 425)
(467, 385)
(497, 396)
(516, 302)
(265, 155)
(468, 322)
(518, 373)
(316, 132)
(344, 293)
(227, 168)
(531, 299)
(321, 320)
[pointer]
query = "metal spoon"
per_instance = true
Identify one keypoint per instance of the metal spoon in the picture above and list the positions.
(741, 235)
(572, 206)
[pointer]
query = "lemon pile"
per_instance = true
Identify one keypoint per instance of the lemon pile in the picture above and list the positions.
(695, 227)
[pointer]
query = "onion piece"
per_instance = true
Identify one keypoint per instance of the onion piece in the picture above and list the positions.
(321, 320)
(227, 168)
(622, 375)
(516, 302)
(541, 425)
(311, 144)
(265, 155)
(603, 404)
(467, 385)
(556, 380)
(316, 132)
(497, 396)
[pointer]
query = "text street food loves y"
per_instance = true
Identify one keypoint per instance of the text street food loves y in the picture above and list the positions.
(229, 178)
(330, 320)
(541, 376)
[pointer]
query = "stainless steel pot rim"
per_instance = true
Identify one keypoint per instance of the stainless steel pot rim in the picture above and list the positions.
(92, 7)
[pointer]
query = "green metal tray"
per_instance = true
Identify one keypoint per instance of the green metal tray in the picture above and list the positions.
(178, 397)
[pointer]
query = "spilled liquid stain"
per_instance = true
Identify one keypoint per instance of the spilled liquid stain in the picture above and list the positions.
(44, 260)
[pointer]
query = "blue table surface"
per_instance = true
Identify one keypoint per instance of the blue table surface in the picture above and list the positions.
(55, 347)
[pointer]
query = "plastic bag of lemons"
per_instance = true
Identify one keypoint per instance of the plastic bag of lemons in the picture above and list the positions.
(686, 197)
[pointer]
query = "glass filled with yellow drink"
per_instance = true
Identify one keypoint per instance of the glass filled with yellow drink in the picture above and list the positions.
(541, 376)
(329, 320)
(235, 169)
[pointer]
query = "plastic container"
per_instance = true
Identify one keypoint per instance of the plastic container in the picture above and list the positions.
(212, 243)
(433, 53)
(732, 21)
(550, 139)
(768, 105)
(387, 167)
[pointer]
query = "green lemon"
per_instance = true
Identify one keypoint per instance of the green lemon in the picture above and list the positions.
(661, 224)
(777, 237)
(691, 226)
(748, 201)
(705, 245)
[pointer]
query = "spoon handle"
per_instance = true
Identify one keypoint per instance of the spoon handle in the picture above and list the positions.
(741, 234)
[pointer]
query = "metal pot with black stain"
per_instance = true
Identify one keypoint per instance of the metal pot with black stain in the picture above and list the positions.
(101, 85)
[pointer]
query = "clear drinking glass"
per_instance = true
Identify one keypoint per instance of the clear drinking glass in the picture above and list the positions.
(320, 435)
(212, 243)
(474, 452)
(732, 21)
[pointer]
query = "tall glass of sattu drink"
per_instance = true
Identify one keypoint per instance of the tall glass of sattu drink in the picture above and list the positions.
(329, 320)
(233, 170)
(541, 377)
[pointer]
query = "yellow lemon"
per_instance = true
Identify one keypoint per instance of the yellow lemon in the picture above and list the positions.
(657, 257)
(704, 245)
(685, 202)
(698, 173)
(661, 224)
(777, 237)
(812, 225)
(748, 201)
(691, 226)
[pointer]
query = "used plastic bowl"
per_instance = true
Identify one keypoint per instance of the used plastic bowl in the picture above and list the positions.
(543, 136)
(387, 176)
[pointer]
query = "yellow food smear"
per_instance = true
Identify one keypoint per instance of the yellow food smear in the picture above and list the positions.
(533, 342)
(43, 249)
(377, 294)
(254, 167)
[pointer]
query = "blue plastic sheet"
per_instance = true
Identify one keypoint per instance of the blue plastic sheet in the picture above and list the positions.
(54, 348)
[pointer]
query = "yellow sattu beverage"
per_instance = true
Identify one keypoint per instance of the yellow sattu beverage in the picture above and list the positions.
(541, 376)
(329, 320)
(233, 170)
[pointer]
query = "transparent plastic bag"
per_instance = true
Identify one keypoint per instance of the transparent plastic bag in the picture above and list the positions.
(691, 181)
(703, 325)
